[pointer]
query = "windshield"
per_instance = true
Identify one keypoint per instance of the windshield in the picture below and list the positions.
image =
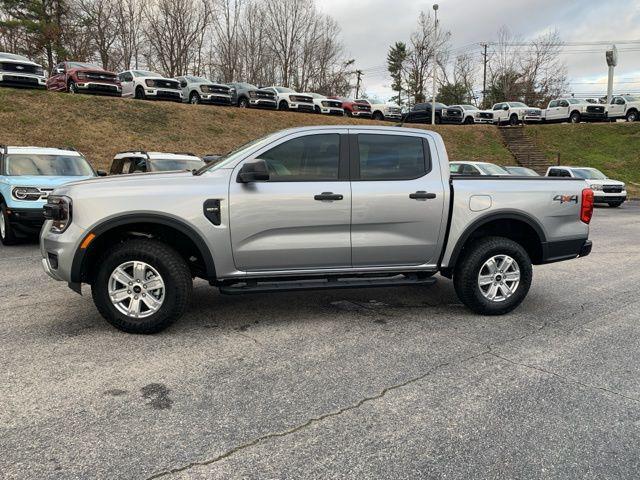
(82, 65)
(469, 107)
(522, 171)
(315, 95)
(517, 104)
(49, 165)
(574, 101)
(589, 173)
(231, 156)
(630, 98)
(491, 169)
(145, 73)
(170, 164)
(283, 90)
(11, 56)
(248, 86)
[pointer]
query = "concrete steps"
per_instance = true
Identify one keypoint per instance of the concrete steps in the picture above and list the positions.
(524, 150)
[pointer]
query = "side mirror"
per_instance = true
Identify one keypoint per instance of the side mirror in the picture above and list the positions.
(101, 173)
(505, 107)
(59, 71)
(255, 171)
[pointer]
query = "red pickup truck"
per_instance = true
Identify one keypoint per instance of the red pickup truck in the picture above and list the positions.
(354, 108)
(79, 77)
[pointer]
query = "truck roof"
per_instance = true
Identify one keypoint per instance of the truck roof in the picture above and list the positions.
(43, 151)
(156, 155)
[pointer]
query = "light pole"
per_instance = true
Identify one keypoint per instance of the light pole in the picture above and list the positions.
(435, 41)
(612, 62)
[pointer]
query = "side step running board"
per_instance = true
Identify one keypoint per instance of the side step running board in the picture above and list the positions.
(320, 284)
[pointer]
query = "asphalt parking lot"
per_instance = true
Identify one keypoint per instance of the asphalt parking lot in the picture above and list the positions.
(382, 383)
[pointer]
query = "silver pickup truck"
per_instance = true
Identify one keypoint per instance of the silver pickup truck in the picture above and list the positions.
(310, 208)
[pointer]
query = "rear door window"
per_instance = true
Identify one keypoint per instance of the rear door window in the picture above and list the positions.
(390, 157)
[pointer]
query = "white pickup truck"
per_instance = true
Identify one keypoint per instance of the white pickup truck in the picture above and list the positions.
(513, 113)
(383, 111)
(573, 110)
(624, 106)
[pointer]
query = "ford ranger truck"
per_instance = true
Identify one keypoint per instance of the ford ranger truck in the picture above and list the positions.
(310, 208)
(27, 176)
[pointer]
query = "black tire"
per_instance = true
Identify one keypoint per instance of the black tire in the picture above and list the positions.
(169, 264)
(513, 120)
(470, 264)
(615, 204)
(574, 117)
(632, 116)
(243, 102)
(316, 109)
(468, 121)
(283, 105)
(194, 98)
(349, 113)
(72, 88)
(140, 93)
(8, 237)
(378, 116)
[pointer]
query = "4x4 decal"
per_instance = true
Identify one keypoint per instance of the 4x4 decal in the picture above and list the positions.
(566, 198)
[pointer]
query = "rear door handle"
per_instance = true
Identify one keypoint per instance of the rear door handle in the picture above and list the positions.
(328, 196)
(422, 195)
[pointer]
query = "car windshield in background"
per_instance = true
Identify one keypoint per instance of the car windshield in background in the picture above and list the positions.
(82, 65)
(469, 107)
(490, 169)
(630, 98)
(196, 79)
(248, 86)
(589, 174)
(12, 56)
(522, 171)
(231, 156)
(170, 164)
(50, 165)
(284, 90)
(144, 73)
(517, 104)
(575, 101)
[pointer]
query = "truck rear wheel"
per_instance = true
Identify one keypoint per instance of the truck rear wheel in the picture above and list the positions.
(513, 120)
(493, 276)
(143, 286)
(7, 237)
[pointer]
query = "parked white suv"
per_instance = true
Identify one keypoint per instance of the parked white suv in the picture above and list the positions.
(573, 110)
(514, 113)
(142, 84)
(605, 190)
(19, 71)
(326, 106)
(289, 99)
(624, 106)
(476, 168)
(383, 111)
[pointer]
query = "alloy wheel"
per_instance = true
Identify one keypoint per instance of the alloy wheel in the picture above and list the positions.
(136, 289)
(499, 278)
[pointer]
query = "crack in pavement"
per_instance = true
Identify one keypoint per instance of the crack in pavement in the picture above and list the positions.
(314, 420)
(562, 377)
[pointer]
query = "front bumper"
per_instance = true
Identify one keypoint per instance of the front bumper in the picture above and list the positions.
(593, 117)
(61, 247)
(262, 103)
(451, 120)
(602, 197)
(22, 80)
(331, 111)
(361, 114)
(163, 94)
(532, 118)
(302, 107)
(483, 120)
(216, 99)
(25, 221)
(100, 88)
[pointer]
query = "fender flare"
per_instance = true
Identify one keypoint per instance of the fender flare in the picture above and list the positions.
(503, 215)
(77, 266)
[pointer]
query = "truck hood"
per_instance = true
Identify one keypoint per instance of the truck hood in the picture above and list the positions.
(604, 182)
(141, 178)
(42, 181)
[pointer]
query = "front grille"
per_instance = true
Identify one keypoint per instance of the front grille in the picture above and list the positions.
(533, 113)
(453, 113)
(595, 109)
(215, 89)
(100, 77)
(167, 84)
(266, 95)
(612, 188)
(361, 107)
(486, 115)
(394, 111)
(23, 80)
(18, 68)
(300, 98)
(335, 104)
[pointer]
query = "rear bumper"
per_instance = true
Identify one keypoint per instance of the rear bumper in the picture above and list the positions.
(565, 250)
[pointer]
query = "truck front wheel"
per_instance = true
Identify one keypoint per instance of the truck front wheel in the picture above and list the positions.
(143, 286)
(7, 237)
(493, 275)
(513, 120)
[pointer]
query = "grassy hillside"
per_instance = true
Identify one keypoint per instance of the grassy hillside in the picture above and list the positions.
(100, 126)
(612, 148)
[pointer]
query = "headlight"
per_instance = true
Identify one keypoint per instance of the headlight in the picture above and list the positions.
(58, 209)
(596, 187)
(325, 103)
(232, 90)
(26, 193)
(81, 75)
(39, 71)
(253, 94)
(477, 115)
(151, 83)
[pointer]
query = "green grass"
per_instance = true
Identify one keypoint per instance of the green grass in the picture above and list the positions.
(612, 148)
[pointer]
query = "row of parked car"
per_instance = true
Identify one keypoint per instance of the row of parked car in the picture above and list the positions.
(29, 174)
(80, 77)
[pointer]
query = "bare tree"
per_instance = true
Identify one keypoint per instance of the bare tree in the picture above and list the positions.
(101, 22)
(226, 31)
(129, 21)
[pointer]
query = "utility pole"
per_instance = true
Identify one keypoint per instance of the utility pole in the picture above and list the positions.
(484, 75)
(359, 74)
(435, 63)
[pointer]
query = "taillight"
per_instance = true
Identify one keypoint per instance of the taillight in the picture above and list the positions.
(586, 209)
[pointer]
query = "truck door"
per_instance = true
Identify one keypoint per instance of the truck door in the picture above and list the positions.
(301, 217)
(553, 111)
(499, 113)
(617, 108)
(397, 197)
(126, 81)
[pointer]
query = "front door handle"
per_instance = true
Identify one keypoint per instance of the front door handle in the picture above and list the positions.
(328, 196)
(422, 195)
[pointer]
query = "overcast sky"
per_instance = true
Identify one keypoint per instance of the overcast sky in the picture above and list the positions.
(369, 27)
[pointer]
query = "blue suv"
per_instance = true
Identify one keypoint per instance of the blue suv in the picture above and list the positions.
(27, 176)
